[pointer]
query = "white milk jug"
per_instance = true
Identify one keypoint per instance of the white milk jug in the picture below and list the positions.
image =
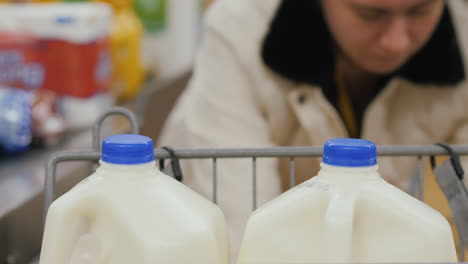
(347, 213)
(130, 212)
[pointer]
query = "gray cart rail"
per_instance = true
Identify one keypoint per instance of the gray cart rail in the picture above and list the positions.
(247, 153)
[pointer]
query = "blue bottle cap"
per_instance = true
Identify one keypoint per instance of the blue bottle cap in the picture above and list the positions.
(127, 149)
(348, 152)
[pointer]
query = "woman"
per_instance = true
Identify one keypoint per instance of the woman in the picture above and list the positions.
(299, 72)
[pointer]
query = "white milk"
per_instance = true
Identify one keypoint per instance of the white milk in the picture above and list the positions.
(130, 212)
(347, 213)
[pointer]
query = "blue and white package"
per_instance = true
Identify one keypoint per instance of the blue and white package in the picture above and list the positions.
(15, 119)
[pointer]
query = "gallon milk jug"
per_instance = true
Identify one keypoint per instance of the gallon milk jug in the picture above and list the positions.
(128, 212)
(347, 213)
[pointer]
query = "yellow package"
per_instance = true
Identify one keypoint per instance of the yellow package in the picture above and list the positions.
(126, 35)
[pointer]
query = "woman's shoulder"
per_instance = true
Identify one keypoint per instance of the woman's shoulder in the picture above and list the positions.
(245, 15)
(459, 12)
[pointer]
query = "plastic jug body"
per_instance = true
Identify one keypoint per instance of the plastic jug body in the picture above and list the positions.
(346, 214)
(133, 213)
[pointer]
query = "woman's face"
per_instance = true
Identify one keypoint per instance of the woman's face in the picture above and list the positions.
(381, 35)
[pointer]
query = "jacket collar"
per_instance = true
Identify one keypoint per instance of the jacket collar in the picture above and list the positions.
(299, 47)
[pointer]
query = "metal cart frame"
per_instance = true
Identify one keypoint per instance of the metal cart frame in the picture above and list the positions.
(94, 155)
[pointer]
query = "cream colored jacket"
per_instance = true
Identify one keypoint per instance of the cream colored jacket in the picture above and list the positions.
(235, 100)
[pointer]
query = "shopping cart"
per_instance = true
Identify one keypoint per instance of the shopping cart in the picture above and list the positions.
(253, 154)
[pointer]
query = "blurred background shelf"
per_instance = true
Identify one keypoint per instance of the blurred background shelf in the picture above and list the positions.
(22, 176)
(92, 61)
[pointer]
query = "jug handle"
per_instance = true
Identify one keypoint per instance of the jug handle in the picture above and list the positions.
(339, 219)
